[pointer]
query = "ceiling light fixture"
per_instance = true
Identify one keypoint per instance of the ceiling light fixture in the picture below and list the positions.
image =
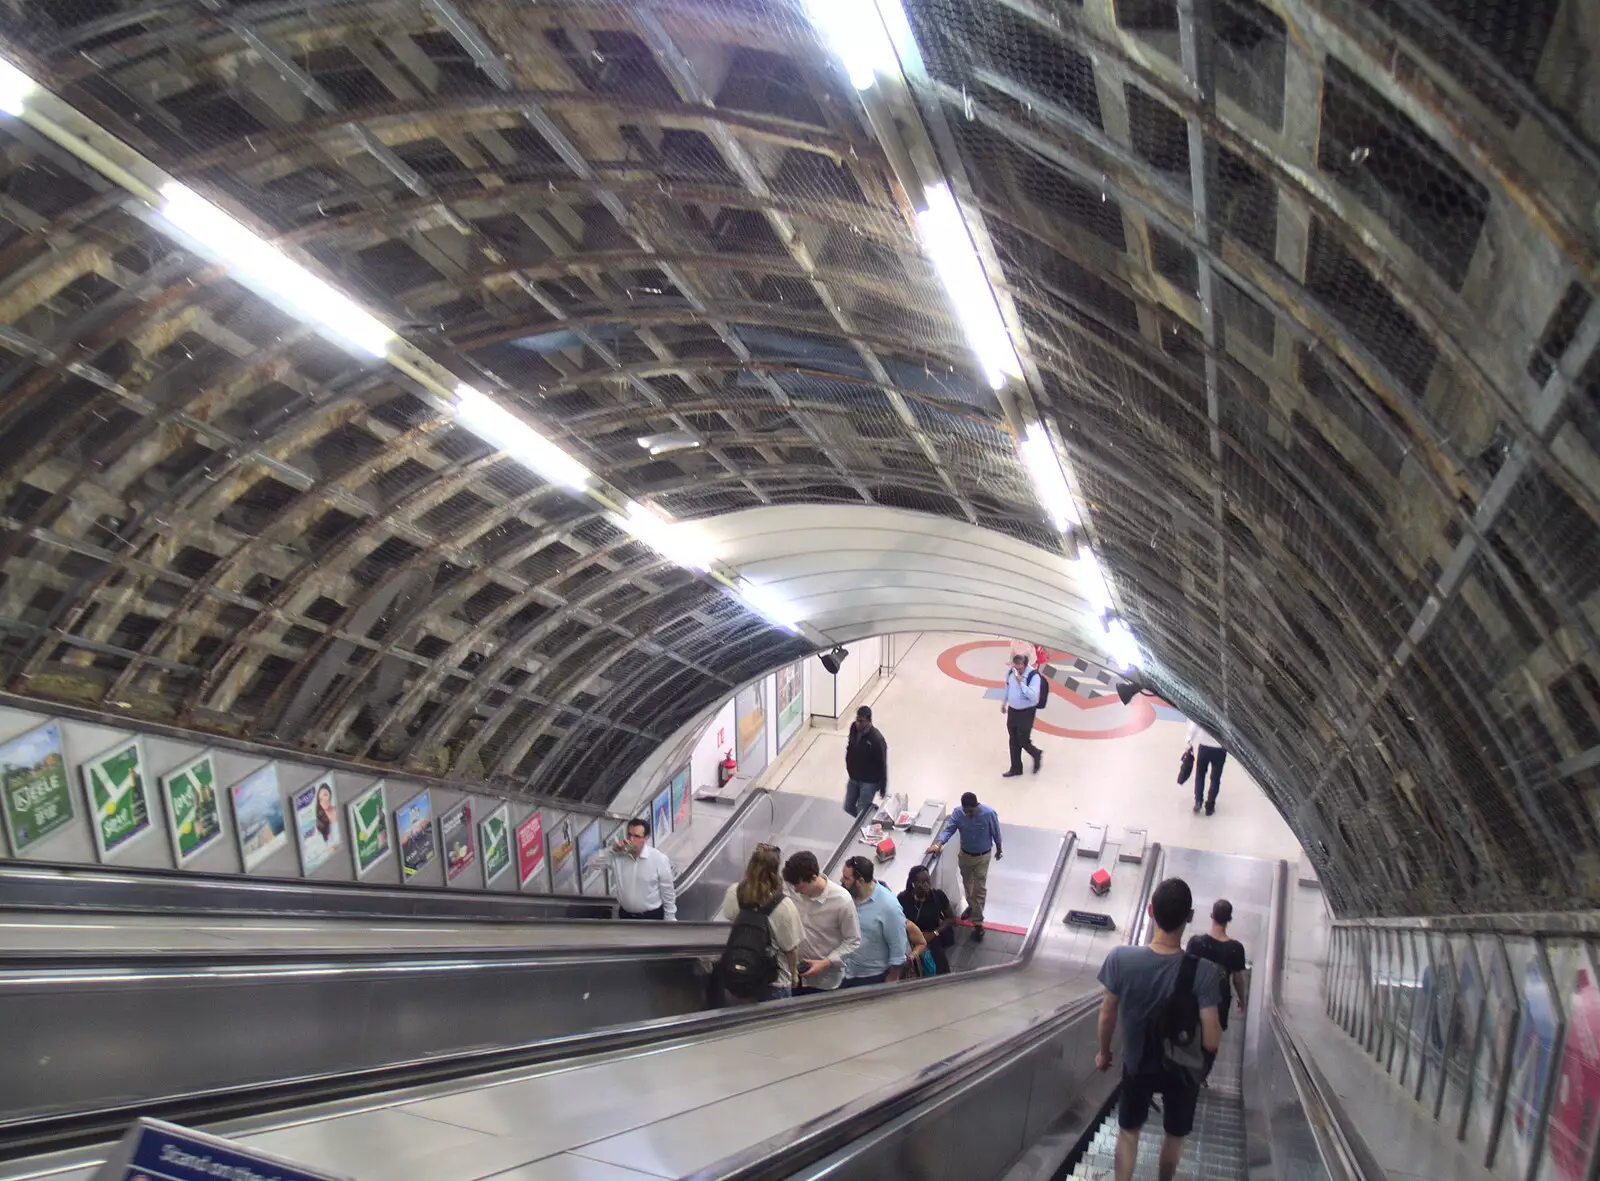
(949, 245)
(1092, 582)
(854, 31)
(500, 428)
(673, 540)
(1122, 645)
(15, 88)
(769, 605)
(1049, 481)
(272, 274)
(668, 441)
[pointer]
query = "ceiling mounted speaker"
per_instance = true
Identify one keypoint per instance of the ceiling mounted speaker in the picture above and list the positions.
(1127, 691)
(832, 660)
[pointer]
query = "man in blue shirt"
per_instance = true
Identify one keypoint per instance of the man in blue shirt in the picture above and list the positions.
(979, 826)
(1020, 706)
(884, 946)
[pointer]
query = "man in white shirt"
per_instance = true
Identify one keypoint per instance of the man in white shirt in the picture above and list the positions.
(1208, 755)
(828, 914)
(645, 889)
(1020, 705)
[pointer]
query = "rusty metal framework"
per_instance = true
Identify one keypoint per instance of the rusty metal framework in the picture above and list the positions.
(1305, 286)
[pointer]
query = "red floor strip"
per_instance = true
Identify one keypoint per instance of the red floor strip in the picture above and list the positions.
(1006, 927)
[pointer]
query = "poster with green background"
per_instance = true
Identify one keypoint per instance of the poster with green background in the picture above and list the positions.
(369, 829)
(118, 808)
(494, 835)
(34, 793)
(194, 813)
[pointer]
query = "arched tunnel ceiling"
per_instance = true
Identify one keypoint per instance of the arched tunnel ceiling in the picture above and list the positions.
(1348, 502)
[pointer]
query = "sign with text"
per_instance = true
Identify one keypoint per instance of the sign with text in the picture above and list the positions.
(118, 808)
(194, 814)
(494, 836)
(258, 819)
(413, 826)
(459, 841)
(34, 793)
(369, 826)
(153, 1150)
(316, 821)
(530, 848)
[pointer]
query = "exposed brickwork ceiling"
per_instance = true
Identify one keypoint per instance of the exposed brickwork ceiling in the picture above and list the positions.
(1313, 312)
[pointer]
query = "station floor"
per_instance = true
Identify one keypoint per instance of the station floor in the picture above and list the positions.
(940, 711)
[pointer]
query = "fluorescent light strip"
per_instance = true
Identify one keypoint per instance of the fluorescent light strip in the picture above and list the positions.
(770, 605)
(272, 274)
(949, 245)
(675, 540)
(498, 427)
(1049, 481)
(15, 88)
(855, 33)
(1123, 645)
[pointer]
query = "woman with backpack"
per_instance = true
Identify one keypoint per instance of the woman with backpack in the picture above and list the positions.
(759, 963)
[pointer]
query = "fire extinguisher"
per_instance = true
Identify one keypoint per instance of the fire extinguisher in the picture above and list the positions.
(725, 770)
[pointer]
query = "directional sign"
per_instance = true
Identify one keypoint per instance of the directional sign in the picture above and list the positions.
(152, 1150)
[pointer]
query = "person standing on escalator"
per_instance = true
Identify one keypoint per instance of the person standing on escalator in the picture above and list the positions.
(828, 916)
(866, 762)
(979, 826)
(1227, 954)
(930, 911)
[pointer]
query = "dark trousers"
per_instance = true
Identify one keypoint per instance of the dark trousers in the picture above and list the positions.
(659, 914)
(863, 981)
(1019, 726)
(858, 793)
(1208, 758)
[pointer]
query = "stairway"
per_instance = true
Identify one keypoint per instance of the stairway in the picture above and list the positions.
(1215, 1149)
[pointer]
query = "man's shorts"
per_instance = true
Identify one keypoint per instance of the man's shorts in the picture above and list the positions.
(1178, 1098)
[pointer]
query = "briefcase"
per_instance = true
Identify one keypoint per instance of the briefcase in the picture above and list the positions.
(1185, 767)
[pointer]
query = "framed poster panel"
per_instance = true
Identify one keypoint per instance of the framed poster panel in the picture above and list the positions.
(34, 793)
(750, 728)
(413, 827)
(592, 865)
(682, 798)
(661, 817)
(316, 823)
(258, 819)
(114, 785)
(615, 837)
(563, 868)
(494, 838)
(459, 840)
(530, 849)
(194, 811)
(369, 829)
(791, 703)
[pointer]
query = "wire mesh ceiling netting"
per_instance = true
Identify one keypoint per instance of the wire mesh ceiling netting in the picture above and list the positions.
(1305, 288)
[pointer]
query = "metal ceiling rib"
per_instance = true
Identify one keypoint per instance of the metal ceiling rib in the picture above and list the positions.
(1306, 287)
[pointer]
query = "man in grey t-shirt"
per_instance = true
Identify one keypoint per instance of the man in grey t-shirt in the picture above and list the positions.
(1138, 980)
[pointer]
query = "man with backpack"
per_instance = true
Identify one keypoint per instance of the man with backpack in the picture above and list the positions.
(1164, 1004)
(1026, 692)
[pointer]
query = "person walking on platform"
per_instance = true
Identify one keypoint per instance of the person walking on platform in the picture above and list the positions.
(760, 899)
(1152, 996)
(1020, 706)
(979, 826)
(930, 911)
(1208, 755)
(866, 762)
(1227, 954)
(643, 873)
(881, 955)
(828, 917)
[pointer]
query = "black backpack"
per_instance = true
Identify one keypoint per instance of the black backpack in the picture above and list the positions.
(1044, 688)
(749, 965)
(1175, 1026)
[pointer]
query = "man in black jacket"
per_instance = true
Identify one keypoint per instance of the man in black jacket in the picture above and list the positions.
(866, 761)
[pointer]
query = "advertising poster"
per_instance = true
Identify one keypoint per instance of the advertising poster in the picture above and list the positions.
(750, 727)
(194, 813)
(34, 793)
(661, 817)
(316, 820)
(369, 822)
(791, 703)
(494, 837)
(594, 866)
(1530, 1059)
(459, 841)
(616, 836)
(258, 816)
(413, 826)
(682, 799)
(1576, 1108)
(530, 848)
(119, 810)
(563, 868)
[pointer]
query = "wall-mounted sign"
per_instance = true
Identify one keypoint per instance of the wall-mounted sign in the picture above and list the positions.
(119, 810)
(369, 828)
(413, 824)
(661, 816)
(791, 703)
(34, 793)
(258, 816)
(681, 798)
(563, 868)
(494, 836)
(194, 811)
(530, 848)
(593, 866)
(459, 840)
(316, 820)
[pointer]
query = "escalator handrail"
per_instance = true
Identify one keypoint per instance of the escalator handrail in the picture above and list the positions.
(708, 851)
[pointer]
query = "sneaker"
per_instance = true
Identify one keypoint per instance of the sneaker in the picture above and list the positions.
(967, 914)
(1210, 809)
(1010, 774)
(1197, 805)
(977, 934)
(1038, 758)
